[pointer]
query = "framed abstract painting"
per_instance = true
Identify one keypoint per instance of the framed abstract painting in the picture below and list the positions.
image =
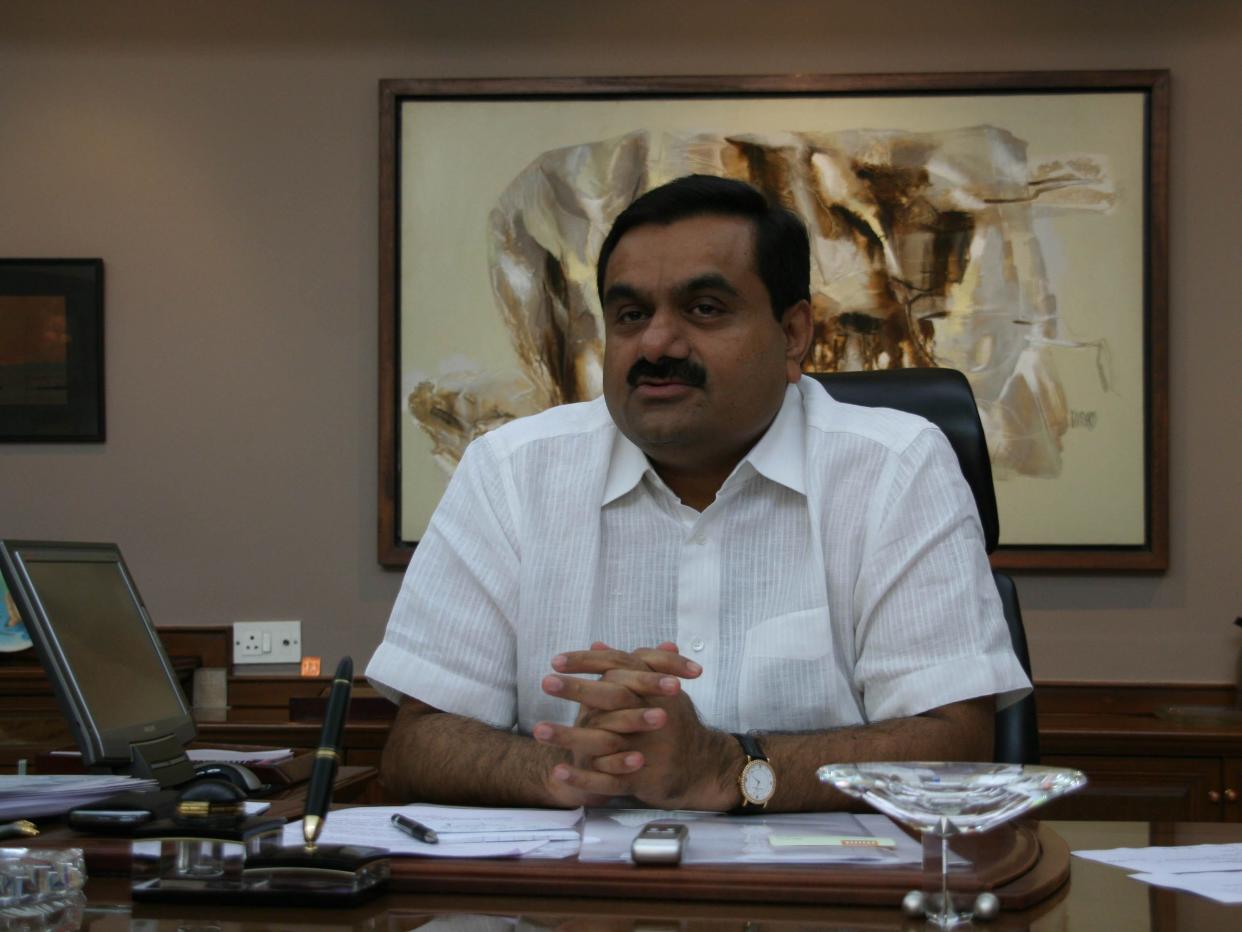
(1009, 225)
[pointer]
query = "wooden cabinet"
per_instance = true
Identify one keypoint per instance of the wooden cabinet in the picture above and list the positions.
(1142, 762)
(1142, 759)
(263, 709)
(1231, 794)
(1142, 789)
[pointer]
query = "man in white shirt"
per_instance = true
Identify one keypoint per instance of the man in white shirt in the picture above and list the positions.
(698, 589)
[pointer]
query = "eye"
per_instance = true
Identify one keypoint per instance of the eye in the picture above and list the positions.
(701, 307)
(630, 314)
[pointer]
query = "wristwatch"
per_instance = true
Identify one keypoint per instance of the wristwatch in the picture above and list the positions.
(757, 781)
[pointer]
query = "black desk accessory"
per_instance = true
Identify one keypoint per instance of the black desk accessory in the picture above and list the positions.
(210, 849)
(201, 850)
(123, 813)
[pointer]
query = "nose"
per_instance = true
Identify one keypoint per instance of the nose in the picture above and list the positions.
(663, 336)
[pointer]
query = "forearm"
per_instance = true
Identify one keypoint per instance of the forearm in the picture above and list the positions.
(437, 757)
(961, 731)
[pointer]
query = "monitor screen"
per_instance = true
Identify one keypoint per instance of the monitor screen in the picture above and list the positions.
(102, 656)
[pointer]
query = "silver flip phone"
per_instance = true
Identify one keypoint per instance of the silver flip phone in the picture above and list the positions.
(660, 843)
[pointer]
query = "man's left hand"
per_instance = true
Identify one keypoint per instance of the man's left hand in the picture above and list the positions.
(637, 733)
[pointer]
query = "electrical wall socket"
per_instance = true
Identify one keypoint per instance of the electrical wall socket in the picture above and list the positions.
(267, 642)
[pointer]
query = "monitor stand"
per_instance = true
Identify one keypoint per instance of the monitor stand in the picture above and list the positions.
(162, 759)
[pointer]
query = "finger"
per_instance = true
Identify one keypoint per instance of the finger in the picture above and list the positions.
(597, 694)
(663, 645)
(589, 781)
(661, 659)
(644, 684)
(619, 764)
(587, 742)
(596, 660)
(630, 721)
(665, 659)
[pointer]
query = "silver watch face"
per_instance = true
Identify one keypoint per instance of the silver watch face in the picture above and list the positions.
(758, 782)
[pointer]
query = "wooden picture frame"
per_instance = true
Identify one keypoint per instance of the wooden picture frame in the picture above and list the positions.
(1088, 150)
(51, 351)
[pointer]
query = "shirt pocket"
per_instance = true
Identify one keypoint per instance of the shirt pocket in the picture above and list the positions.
(789, 679)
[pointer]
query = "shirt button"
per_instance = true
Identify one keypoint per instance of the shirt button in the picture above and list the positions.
(697, 644)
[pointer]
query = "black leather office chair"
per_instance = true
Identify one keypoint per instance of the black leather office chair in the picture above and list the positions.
(943, 396)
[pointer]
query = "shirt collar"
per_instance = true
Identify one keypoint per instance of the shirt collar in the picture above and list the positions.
(626, 468)
(779, 454)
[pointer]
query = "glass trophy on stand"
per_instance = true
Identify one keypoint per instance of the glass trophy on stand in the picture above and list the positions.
(943, 800)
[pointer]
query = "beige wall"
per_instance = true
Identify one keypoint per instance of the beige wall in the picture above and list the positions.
(222, 159)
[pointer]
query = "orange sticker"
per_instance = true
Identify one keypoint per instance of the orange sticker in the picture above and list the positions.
(310, 666)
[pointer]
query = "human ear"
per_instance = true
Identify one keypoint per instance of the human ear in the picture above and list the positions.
(796, 324)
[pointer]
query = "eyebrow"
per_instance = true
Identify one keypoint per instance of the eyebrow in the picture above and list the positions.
(620, 291)
(709, 281)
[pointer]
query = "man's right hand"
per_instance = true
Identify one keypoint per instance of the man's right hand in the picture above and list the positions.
(638, 692)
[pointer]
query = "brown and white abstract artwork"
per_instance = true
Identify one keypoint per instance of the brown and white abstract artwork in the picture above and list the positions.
(1005, 247)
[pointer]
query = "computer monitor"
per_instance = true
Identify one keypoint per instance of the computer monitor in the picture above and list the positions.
(101, 653)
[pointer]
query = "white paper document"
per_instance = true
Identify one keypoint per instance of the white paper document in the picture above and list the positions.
(1214, 871)
(786, 838)
(1171, 859)
(218, 755)
(250, 756)
(464, 831)
(1221, 886)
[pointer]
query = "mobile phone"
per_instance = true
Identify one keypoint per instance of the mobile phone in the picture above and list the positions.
(107, 821)
(660, 843)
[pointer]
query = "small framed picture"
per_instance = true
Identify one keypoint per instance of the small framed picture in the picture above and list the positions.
(51, 351)
(13, 636)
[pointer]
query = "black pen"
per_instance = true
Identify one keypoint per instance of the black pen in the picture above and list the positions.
(323, 772)
(415, 829)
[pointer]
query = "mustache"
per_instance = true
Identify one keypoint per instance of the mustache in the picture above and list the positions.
(666, 369)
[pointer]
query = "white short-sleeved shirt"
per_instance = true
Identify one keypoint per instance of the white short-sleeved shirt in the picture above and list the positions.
(839, 577)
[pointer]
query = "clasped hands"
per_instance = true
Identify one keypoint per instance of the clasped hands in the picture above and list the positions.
(636, 733)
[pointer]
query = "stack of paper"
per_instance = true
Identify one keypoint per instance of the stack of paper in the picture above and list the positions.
(464, 831)
(1214, 871)
(789, 838)
(31, 795)
(249, 756)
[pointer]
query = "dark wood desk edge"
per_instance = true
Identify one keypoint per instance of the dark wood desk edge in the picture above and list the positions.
(1018, 875)
(1030, 870)
(1050, 873)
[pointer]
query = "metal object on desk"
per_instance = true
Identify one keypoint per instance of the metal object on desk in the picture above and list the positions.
(202, 849)
(944, 800)
(660, 843)
(42, 888)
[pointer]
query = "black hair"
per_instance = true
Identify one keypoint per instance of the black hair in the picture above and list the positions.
(782, 247)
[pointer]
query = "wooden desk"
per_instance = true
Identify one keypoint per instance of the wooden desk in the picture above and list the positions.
(1096, 898)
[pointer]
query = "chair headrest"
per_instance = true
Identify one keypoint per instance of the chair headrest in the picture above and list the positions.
(943, 396)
